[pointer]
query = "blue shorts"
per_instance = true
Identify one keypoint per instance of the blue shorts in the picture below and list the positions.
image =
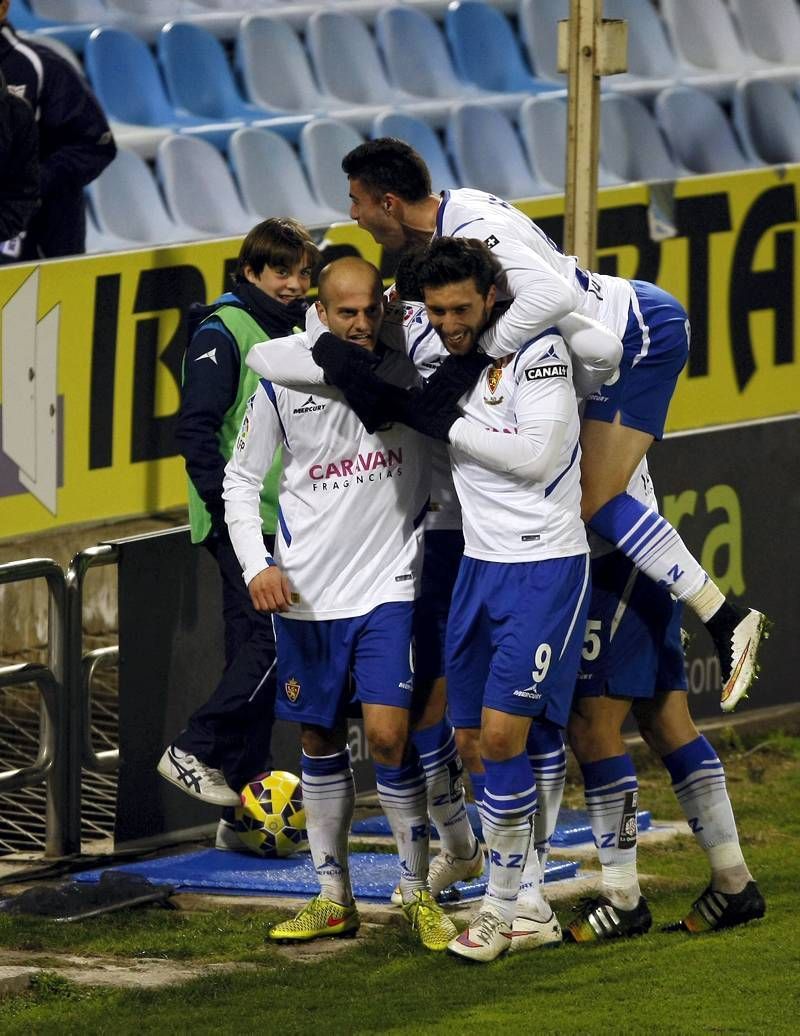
(444, 549)
(316, 659)
(655, 350)
(633, 635)
(514, 638)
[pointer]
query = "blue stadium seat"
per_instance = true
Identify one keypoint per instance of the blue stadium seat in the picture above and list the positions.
(127, 204)
(200, 81)
(698, 132)
(199, 188)
(486, 50)
(631, 145)
(114, 60)
(272, 180)
(488, 154)
(347, 64)
(424, 140)
(323, 145)
(767, 118)
(419, 62)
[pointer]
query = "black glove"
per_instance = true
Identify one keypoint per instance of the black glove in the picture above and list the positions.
(374, 401)
(342, 361)
(455, 376)
(425, 413)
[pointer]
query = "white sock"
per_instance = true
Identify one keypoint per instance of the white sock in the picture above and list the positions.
(509, 802)
(698, 780)
(329, 797)
(548, 760)
(402, 795)
(445, 788)
(612, 791)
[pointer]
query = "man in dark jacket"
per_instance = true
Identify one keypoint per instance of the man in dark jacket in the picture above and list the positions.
(75, 141)
(19, 171)
(226, 741)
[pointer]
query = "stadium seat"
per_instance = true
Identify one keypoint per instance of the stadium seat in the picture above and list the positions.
(347, 64)
(86, 11)
(705, 39)
(323, 145)
(152, 9)
(276, 72)
(200, 81)
(766, 116)
(272, 180)
(114, 60)
(97, 241)
(127, 204)
(698, 132)
(652, 63)
(61, 48)
(26, 20)
(488, 154)
(631, 145)
(485, 49)
(424, 140)
(199, 188)
(543, 128)
(771, 30)
(418, 60)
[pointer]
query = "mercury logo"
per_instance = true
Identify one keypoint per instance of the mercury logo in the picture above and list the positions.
(311, 406)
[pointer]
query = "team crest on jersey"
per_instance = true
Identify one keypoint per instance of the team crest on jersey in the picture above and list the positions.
(494, 375)
(491, 241)
(292, 688)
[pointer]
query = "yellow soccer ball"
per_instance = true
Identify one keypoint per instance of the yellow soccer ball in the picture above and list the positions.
(271, 820)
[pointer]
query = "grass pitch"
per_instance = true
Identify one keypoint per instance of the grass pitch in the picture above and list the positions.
(743, 981)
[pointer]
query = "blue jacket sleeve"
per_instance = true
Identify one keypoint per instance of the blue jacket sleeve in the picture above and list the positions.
(210, 385)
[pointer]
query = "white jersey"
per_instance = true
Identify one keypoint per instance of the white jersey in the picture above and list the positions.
(350, 504)
(406, 326)
(508, 517)
(543, 283)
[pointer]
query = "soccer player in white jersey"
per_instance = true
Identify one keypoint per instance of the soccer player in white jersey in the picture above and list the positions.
(633, 658)
(341, 587)
(391, 197)
(517, 616)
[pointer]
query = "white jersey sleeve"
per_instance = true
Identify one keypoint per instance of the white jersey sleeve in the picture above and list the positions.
(288, 362)
(538, 278)
(253, 454)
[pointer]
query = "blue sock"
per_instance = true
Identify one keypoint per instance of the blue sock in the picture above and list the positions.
(651, 543)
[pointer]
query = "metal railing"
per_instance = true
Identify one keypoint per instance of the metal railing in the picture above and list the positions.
(53, 763)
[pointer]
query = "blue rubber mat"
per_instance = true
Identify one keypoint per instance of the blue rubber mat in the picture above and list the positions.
(374, 875)
(573, 826)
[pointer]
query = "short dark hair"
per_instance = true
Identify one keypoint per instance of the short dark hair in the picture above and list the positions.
(388, 165)
(275, 242)
(446, 260)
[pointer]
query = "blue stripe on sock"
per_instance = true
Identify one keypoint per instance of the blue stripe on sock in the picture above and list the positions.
(322, 766)
(688, 758)
(607, 771)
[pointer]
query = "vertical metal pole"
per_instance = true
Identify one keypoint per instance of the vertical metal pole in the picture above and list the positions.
(583, 131)
(63, 836)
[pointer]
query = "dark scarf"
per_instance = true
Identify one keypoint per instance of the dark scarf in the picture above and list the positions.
(277, 318)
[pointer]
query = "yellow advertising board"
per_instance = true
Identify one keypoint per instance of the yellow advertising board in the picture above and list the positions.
(92, 346)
